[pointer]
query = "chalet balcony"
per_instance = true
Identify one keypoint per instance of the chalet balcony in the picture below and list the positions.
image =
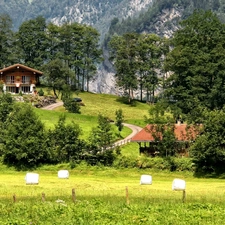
(14, 82)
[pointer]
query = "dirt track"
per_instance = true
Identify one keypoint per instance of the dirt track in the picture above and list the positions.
(53, 106)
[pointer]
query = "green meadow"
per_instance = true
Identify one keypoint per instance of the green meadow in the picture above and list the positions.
(107, 195)
(96, 104)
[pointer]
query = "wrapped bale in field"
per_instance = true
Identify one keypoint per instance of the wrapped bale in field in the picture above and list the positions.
(178, 185)
(32, 178)
(146, 179)
(63, 174)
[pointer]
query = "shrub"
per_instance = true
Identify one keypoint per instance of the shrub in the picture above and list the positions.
(24, 138)
(71, 105)
(41, 92)
(158, 163)
(125, 162)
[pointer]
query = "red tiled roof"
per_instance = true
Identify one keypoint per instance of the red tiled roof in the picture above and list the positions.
(183, 132)
(21, 66)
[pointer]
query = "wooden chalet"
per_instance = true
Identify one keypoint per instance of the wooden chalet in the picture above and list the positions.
(19, 78)
(146, 138)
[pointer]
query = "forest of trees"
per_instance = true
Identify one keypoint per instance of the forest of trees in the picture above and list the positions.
(26, 143)
(193, 92)
(71, 49)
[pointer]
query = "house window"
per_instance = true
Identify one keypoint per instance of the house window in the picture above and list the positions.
(10, 79)
(25, 89)
(25, 79)
(11, 89)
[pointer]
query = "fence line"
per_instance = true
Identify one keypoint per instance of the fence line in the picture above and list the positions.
(119, 143)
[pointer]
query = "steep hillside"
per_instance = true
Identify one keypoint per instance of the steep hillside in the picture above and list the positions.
(97, 13)
(163, 16)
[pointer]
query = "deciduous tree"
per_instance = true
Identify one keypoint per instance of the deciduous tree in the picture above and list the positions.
(119, 119)
(197, 64)
(24, 138)
(208, 150)
(33, 42)
(102, 135)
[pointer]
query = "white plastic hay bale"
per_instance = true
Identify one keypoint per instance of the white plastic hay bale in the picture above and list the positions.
(146, 179)
(178, 185)
(64, 174)
(32, 178)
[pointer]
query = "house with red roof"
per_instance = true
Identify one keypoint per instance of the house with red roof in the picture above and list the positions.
(150, 136)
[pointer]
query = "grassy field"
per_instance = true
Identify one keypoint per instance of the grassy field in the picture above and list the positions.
(94, 105)
(107, 195)
(104, 104)
(101, 198)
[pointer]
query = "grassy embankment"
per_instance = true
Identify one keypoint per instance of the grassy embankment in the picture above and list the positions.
(94, 105)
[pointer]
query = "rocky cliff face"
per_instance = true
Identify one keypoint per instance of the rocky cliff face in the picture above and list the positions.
(164, 25)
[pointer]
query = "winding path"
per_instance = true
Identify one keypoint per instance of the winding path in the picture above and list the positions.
(52, 106)
(135, 129)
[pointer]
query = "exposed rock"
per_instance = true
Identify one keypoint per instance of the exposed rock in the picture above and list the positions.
(36, 100)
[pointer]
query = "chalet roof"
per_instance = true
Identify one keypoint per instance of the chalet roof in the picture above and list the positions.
(183, 132)
(17, 66)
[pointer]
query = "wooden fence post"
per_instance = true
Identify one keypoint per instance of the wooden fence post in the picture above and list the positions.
(184, 196)
(14, 198)
(127, 196)
(73, 195)
(43, 197)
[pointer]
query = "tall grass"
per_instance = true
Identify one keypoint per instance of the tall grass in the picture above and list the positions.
(101, 198)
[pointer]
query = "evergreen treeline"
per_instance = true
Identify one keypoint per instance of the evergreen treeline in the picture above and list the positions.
(71, 50)
(193, 91)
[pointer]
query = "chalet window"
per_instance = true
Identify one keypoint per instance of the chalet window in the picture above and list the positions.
(25, 89)
(11, 89)
(25, 79)
(10, 79)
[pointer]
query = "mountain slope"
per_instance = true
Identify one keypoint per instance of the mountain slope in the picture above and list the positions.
(97, 13)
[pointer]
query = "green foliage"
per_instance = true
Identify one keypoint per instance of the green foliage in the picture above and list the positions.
(71, 105)
(6, 41)
(136, 58)
(125, 162)
(6, 106)
(119, 119)
(64, 143)
(56, 75)
(208, 150)
(32, 42)
(24, 138)
(197, 64)
(41, 92)
(77, 45)
(102, 135)
(94, 156)
(159, 114)
(124, 59)
(156, 163)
